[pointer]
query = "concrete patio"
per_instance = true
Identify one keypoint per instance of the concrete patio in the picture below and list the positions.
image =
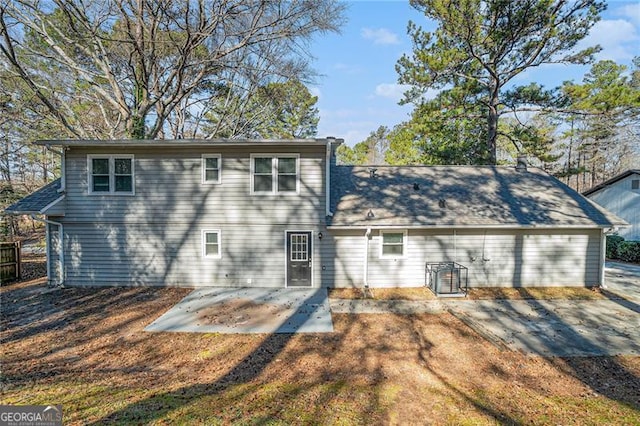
(249, 310)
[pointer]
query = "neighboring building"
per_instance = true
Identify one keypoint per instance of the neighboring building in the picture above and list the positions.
(276, 213)
(621, 195)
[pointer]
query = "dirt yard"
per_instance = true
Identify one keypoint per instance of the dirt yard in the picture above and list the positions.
(85, 349)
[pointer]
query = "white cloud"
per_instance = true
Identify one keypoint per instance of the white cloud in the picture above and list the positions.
(618, 39)
(315, 91)
(391, 90)
(630, 11)
(396, 91)
(380, 36)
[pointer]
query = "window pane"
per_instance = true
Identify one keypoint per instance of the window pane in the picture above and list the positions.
(212, 238)
(123, 166)
(101, 184)
(123, 184)
(211, 175)
(286, 183)
(262, 183)
(287, 165)
(392, 250)
(212, 249)
(211, 163)
(100, 166)
(392, 238)
(262, 165)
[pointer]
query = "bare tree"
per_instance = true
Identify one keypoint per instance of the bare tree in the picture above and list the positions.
(140, 68)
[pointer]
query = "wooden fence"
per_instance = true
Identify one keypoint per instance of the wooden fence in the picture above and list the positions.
(9, 261)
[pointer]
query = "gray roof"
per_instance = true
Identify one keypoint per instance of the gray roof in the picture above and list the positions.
(611, 181)
(459, 196)
(188, 142)
(37, 201)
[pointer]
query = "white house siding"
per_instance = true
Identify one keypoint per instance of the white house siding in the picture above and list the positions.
(53, 248)
(170, 255)
(155, 236)
(495, 258)
(621, 199)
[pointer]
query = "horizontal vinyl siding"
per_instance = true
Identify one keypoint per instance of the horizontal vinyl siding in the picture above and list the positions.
(168, 188)
(495, 258)
(54, 257)
(148, 254)
(621, 199)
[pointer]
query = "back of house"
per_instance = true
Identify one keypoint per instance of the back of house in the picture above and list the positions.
(281, 213)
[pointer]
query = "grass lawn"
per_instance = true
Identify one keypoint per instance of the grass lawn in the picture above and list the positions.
(85, 349)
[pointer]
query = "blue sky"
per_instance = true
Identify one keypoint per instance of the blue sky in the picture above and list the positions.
(358, 90)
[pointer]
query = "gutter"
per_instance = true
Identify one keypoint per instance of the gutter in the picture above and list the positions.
(448, 227)
(366, 258)
(61, 249)
(603, 253)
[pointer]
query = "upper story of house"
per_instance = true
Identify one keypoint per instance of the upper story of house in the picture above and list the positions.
(163, 181)
(621, 195)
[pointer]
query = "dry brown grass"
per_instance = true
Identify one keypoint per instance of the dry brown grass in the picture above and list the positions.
(85, 348)
(423, 293)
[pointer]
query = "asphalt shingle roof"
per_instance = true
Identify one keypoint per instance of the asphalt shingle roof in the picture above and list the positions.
(465, 196)
(35, 202)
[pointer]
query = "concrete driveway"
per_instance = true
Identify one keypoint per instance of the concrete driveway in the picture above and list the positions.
(249, 310)
(563, 327)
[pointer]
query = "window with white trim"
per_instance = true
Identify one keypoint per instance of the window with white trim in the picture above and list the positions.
(211, 168)
(111, 174)
(211, 244)
(275, 174)
(393, 243)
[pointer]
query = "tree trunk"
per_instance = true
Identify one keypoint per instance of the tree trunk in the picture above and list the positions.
(492, 122)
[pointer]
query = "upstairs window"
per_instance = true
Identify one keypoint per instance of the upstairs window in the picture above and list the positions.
(393, 243)
(211, 168)
(111, 174)
(635, 184)
(274, 174)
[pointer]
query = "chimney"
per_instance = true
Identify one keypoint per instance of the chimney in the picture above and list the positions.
(521, 163)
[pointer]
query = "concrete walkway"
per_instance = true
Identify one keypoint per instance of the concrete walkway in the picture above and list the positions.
(541, 327)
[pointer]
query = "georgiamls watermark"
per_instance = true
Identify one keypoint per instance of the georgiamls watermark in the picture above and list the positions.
(30, 415)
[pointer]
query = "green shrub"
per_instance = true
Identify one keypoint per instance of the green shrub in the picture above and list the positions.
(629, 251)
(613, 243)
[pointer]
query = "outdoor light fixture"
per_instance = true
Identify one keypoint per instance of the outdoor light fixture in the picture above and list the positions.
(319, 235)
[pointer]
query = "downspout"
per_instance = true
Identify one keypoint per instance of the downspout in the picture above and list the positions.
(603, 254)
(366, 258)
(63, 178)
(327, 180)
(61, 250)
